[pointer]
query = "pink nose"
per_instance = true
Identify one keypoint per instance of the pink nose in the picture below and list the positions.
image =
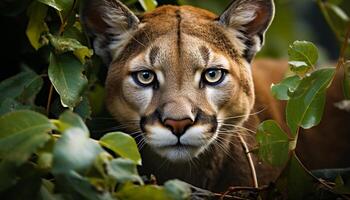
(178, 126)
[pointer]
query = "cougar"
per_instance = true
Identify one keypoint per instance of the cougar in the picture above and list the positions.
(182, 81)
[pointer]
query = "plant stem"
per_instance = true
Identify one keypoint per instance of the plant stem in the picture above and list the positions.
(49, 100)
(341, 59)
(64, 21)
(250, 160)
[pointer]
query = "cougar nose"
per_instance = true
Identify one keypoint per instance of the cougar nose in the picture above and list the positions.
(178, 127)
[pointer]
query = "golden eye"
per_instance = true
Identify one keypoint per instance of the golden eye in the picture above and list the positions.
(144, 78)
(214, 76)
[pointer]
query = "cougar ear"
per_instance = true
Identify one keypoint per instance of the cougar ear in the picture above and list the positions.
(251, 18)
(110, 23)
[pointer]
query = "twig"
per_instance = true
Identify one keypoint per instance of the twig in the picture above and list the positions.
(320, 181)
(341, 59)
(250, 160)
(49, 100)
(64, 20)
(240, 189)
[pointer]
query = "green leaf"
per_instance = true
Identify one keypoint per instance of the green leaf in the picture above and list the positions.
(346, 81)
(62, 6)
(178, 190)
(305, 108)
(123, 145)
(97, 98)
(338, 18)
(336, 2)
(52, 3)
(21, 134)
(36, 25)
(74, 183)
(27, 186)
(123, 170)
(46, 193)
(83, 109)
(71, 120)
(287, 86)
(303, 56)
(23, 86)
(63, 45)
(66, 75)
(10, 105)
(45, 157)
(148, 5)
(273, 143)
(147, 192)
(341, 187)
(74, 151)
(295, 181)
(7, 174)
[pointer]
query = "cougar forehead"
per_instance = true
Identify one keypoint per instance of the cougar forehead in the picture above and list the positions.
(172, 34)
(178, 44)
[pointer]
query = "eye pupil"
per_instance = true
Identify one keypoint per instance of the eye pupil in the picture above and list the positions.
(212, 74)
(146, 75)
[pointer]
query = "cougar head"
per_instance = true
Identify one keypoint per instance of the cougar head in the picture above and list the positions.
(178, 73)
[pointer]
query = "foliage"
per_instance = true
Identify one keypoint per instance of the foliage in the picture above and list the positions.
(47, 152)
(56, 158)
(305, 91)
(82, 168)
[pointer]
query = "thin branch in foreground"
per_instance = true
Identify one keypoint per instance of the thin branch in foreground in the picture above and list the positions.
(250, 160)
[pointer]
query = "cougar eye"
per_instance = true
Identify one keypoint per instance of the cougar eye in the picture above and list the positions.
(144, 78)
(214, 76)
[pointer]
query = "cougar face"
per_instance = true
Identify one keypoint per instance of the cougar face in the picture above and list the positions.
(179, 75)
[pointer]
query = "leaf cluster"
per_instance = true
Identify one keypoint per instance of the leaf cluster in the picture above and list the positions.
(305, 92)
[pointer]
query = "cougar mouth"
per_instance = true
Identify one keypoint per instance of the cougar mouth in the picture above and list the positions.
(179, 147)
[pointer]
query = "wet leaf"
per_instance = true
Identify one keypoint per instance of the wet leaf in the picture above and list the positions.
(123, 145)
(287, 86)
(274, 144)
(305, 108)
(66, 75)
(303, 56)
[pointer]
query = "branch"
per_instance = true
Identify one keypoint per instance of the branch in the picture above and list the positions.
(341, 59)
(250, 160)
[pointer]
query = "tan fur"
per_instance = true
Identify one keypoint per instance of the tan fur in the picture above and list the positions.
(178, 44)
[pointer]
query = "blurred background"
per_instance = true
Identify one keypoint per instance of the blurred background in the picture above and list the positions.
(294, 20)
